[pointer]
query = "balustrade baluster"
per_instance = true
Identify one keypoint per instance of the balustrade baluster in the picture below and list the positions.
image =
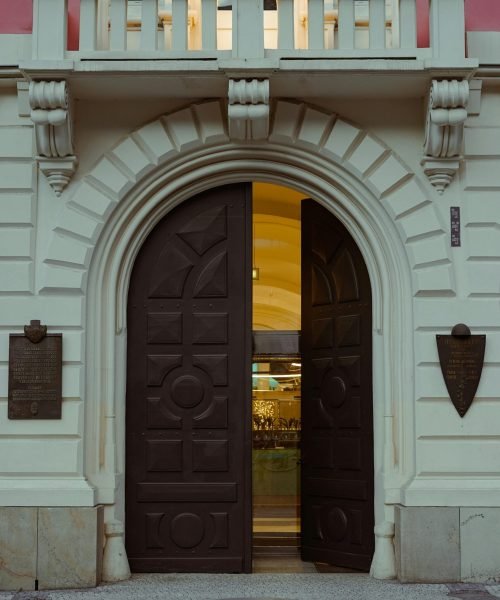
(149, 25)
(118, 18)
(248, 28)
(447, 29)
(209, 24)
(50, 20)
(346, 24)
(407, 24)
(285, 25)
(316, 24)
(102, 24)
(88, 25)
(377, 24)
(179, 25)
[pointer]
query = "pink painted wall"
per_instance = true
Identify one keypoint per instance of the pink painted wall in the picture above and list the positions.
(423, 23)
(481, 15)
(16, 17)
(73, 24)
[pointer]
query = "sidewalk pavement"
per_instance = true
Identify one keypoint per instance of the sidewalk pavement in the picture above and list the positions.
(264, 587)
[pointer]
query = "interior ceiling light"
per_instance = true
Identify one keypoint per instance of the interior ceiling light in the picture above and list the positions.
(291, 376)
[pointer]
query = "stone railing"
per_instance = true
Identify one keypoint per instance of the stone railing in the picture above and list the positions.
(244, 29)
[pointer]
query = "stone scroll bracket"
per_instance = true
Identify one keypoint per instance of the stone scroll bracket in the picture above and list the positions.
(50, 105)
(248, 109)
(446, 116)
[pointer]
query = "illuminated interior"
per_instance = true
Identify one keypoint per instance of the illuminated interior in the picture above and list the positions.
(276, 376)
(276, 255)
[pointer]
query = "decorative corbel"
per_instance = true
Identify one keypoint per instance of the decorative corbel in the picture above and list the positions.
(51, 115)
(446, 117)
(248, 109)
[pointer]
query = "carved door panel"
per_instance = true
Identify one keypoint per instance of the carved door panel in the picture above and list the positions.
(188, 440)
(337, 421)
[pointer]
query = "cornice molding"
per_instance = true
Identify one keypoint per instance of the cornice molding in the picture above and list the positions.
(446, 116)
(51, 114)
(248, 109)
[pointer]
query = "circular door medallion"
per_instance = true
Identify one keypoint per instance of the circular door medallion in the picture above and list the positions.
(336, 524)
(187, 530)
(333, 390)
(187, 391)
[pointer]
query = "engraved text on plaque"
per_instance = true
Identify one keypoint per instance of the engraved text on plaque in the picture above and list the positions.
(35, 374)
(461, 356)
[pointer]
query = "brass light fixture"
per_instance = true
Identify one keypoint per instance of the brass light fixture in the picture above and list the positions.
(255, 270)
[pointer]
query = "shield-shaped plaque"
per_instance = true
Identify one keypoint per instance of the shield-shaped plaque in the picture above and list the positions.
(461, 356)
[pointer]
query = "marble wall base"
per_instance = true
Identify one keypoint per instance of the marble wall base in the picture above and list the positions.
(53, 548)
(70, 545)
(480, 544)
(427, 544)
(18, 533)
(447, 544)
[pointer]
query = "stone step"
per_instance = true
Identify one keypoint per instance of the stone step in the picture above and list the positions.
(263, 551)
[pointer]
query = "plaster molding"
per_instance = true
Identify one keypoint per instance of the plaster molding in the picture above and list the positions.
(115, 565)
(384, 560)
(441, 172)
(51, 114)
(248, 109)
(446, 116)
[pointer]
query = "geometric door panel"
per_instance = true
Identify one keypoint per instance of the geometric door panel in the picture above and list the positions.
(188, 438)
(337, 411)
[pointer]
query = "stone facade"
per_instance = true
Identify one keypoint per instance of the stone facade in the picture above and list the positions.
(65, 259)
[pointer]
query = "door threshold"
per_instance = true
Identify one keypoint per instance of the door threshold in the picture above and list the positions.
(294, 564)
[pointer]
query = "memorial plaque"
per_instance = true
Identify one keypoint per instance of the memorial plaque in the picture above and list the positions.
(455, 232)
(461, 356)
(35, 373)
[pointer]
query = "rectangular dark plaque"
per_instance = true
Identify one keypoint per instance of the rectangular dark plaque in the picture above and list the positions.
(462, 357)
(35, 374)
(455, 226)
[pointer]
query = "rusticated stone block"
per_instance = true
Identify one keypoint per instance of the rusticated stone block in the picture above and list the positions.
(70, 545)
(480, 544)
(18, 548)
(427, 544)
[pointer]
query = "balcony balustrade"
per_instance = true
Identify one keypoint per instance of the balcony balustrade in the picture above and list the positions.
(248, 33)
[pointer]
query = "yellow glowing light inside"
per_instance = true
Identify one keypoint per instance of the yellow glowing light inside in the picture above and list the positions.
(263, 408)
(291, 376)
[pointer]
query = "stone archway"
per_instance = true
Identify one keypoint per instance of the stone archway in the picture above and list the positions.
(381, 202)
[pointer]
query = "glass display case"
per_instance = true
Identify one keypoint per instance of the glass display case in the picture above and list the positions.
(276, 403)
(276, 443)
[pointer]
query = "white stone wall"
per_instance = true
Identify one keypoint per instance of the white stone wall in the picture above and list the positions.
(46, 243)
(458, 459)
(41, 462)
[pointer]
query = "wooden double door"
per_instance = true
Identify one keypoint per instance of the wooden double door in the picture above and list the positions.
(188, 412)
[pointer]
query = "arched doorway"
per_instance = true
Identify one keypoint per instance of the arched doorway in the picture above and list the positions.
(188, 469)
(378, 207)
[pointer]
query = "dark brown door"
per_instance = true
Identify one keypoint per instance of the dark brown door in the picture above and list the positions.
(188, 440)
(337, 421)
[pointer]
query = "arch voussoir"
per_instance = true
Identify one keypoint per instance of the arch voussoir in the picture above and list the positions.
(202, 127)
